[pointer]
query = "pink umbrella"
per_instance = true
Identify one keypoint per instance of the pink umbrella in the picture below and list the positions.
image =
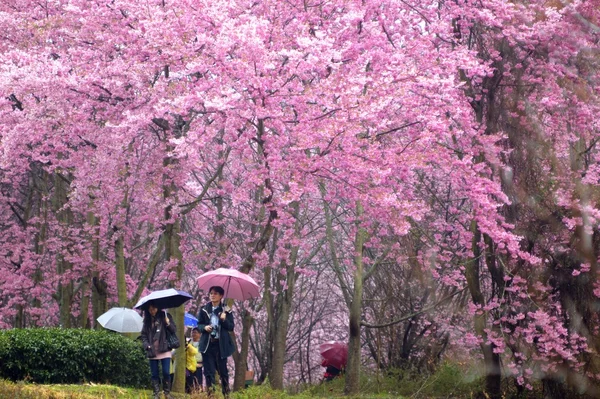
(237, 285)
(334, 354)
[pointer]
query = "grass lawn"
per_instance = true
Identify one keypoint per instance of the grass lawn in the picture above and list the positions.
(448, 382)
(22, 390)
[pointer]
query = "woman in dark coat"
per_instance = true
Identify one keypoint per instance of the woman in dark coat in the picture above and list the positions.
(154, 339)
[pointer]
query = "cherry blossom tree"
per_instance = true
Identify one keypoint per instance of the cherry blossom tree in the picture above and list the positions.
(144, 143)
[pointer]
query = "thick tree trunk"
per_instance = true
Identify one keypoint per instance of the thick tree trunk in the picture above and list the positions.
(285, 299)
(28, 211)
(270, 307)
(99, 299)
(353, 367)
(173, 251)
(84, 306)
(172, 243)
(99, 296)
(491, 360)
(241, 359)
(282, 322)
(65, 287)
(41, 236)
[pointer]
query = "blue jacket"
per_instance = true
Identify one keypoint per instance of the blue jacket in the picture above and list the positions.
(226, 344)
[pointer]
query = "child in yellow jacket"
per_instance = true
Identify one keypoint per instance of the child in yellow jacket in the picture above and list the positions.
(190, 365)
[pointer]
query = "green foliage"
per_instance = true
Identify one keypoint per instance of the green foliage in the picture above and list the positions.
(371, 386)
(448, 381)
(67, 356)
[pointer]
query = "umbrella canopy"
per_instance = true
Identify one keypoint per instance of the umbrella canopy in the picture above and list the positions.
(189, 320)
(237, 285)
(163, 299)
(334, 354)
(121, 320)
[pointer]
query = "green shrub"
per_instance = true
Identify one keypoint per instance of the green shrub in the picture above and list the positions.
(70, 356)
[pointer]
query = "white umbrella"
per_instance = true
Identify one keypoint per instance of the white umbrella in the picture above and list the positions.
(121, 320)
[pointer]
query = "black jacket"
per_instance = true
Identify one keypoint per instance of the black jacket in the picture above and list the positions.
(162, 337)
(226, 344)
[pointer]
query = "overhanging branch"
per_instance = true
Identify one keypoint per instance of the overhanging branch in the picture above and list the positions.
(410, 316)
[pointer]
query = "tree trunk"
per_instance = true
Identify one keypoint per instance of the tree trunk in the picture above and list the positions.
(264, 235)
(97, 304)
(84, 307)
(120, 271)
(270, 308)
(99, 296)
(173, 251)
(241, 360)
(172, 243)
(353, 367)
(42, 234)
(64, 218)
(491, 360)
(282, 322)
(285, 299)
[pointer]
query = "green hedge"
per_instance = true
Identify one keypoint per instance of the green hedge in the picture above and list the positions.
(71, 356)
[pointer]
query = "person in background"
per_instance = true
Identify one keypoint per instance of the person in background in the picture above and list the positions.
(215, 323)
(154, 339)
(198, 373)
(331, 372)
(190, 365)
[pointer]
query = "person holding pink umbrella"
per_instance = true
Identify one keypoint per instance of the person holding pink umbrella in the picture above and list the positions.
(215, 322)
(236, 285)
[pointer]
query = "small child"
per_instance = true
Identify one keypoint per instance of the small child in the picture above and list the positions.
(190, 365)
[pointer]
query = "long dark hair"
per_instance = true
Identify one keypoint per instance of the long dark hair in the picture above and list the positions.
(148, 317)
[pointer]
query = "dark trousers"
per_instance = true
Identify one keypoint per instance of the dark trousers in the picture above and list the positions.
(198, 378)
(193, 381)
(211, 360)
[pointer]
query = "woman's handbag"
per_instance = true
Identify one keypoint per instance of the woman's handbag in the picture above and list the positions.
(172, 340)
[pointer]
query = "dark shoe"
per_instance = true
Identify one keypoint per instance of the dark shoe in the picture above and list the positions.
(167, 389)
(211, 392)
(225, 389)
(155, 389)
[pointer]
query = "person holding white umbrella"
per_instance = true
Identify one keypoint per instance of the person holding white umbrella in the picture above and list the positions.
(121, 320)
